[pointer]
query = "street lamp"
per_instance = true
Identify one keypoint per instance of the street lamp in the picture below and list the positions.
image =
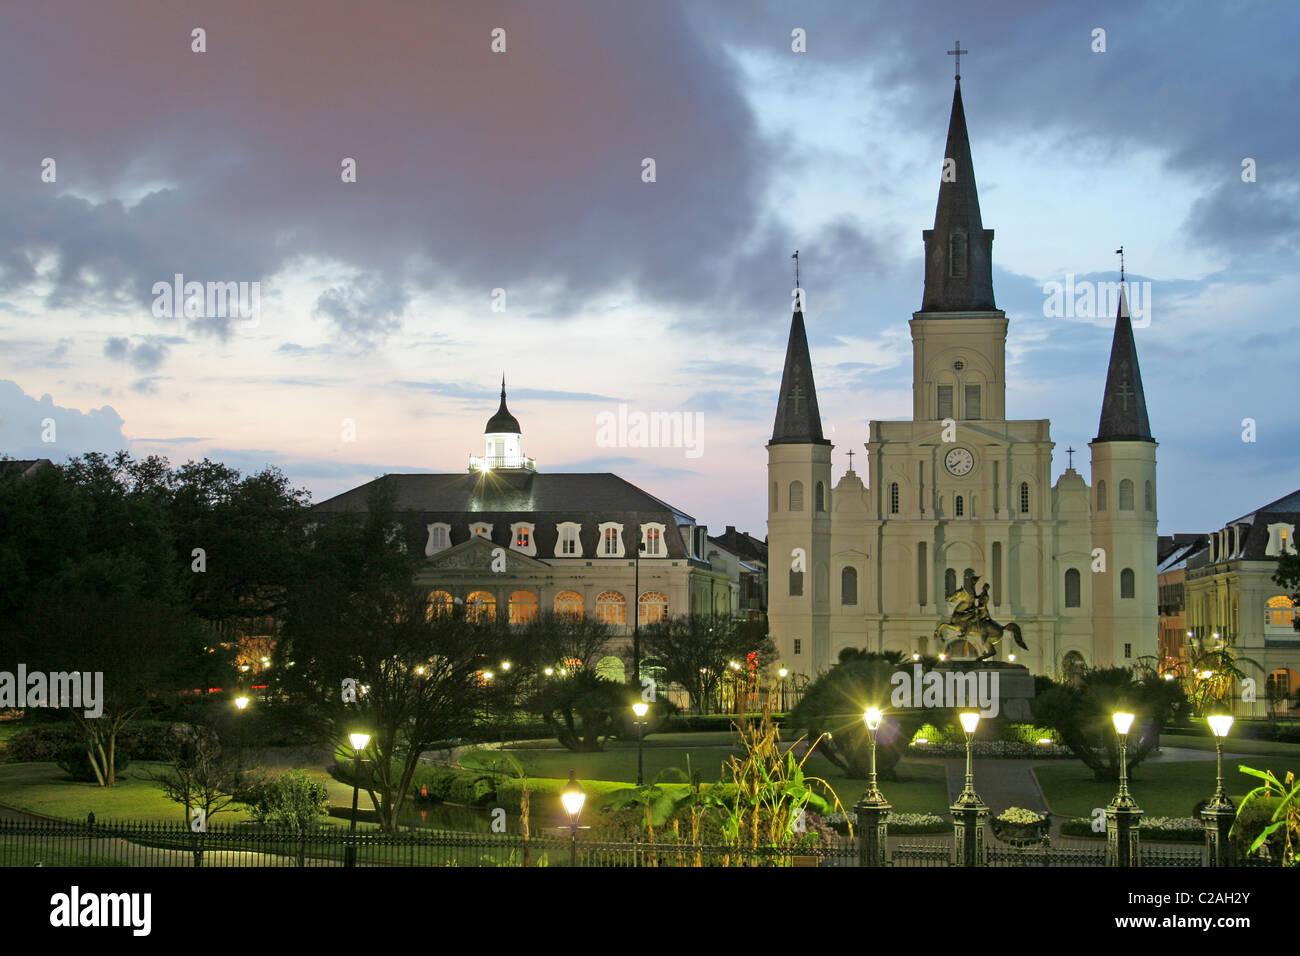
(1220, 813)
(573, 797)
(1123, 813)
(872, 809)
(636, 614)
(241, 702)
(783, 673)
(548, 671)
(969, 812)
(360, 741)
(641, 708)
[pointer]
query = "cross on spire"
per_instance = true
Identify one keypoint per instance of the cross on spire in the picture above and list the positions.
(958, 53)
(1120, 252)
(1125, 393)
(796, 396)
(795, 257)
(850, 459)
(1070, 452)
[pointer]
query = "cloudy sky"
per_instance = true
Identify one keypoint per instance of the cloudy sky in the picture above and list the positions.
(500, 221)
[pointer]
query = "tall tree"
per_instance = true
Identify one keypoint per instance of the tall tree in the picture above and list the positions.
(696, 651)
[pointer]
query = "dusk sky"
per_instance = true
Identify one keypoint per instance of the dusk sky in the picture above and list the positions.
(522, 171)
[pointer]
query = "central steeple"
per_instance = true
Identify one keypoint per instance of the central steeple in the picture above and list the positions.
(958, 250)
(798, 420)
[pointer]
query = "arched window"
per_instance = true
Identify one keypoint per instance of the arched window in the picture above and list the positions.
(568, 604)
(1126, 495)
(1101, 495)
(849, 586)
(523, 607)
(819, 497)
(481, 606)
(1073, 665)
(1072, 589)
(1281, 612)
(796, 583)
(796, 496)
(1024, 497)
(893, 498)
(611, 608)
(612, 669)
(1149, 497)
(959, 507)
(653, 607)
(440, 603)
(949, 583)
(1127, 586)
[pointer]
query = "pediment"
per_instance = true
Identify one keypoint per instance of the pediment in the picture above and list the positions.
(477, 553)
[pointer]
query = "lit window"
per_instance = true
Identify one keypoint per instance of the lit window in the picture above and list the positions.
(611, 608)
(521, 538)
(523, 607)
(652, 537)
(440, 603)
(1281, 611)
(481, 606)
(653, 606)
(568, 604)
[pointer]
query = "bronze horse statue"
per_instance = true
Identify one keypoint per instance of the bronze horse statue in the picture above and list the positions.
(972, 623)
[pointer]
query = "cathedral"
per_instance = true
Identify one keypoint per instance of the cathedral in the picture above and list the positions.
(960, 493)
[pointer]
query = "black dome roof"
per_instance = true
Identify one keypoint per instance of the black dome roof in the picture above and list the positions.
(502, 421)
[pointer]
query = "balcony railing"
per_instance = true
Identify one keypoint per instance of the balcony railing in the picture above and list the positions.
(477, 463)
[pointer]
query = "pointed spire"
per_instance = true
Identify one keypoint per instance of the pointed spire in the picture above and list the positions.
(502, 421)
(1123, 405)
(958, 250)
(798, 422)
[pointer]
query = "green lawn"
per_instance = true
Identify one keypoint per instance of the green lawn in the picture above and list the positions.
(1164, 790)
(44, 788)
(1234, 744)
(922, 787)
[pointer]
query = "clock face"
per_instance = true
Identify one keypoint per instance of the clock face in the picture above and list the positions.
(959, 462)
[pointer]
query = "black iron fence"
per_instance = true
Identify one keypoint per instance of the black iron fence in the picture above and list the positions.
(66, 843)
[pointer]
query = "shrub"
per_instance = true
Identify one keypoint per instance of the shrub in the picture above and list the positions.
(291, 800)
(75, 762)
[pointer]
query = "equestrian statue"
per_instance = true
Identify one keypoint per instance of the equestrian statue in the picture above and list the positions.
(971, 622)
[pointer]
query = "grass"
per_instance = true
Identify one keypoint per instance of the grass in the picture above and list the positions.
(1238, 745)
(922, 788)
(44, 788)
(48, 853)
(1165, 790)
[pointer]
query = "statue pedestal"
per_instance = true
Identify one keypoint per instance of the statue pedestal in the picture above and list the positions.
(1014, 683)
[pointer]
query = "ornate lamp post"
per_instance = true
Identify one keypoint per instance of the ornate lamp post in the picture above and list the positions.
(783, 673)
(641, 708)
(969, 812)
(359, 741)
(872, 809)
(1123, 815)
(1219, 814)
(573, 797)
(636, 614)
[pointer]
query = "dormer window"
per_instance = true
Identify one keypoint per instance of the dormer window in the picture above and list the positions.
(611, 540)
(652, 536)
(481, 529)
(521, 536)
(568, 545)
(439, 538)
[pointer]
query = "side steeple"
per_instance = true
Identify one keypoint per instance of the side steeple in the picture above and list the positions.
(958, 250)
(798, 422)
(1123, 404)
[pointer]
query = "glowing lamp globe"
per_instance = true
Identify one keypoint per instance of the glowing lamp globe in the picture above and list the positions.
(1220, 724)
(1123, 723)
(969, 720)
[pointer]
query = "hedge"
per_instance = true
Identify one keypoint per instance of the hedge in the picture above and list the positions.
(1170, 829)
(141, 740)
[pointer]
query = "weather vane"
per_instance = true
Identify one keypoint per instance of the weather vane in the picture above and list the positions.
(1120, 252)
(958, 53)
(795, 257)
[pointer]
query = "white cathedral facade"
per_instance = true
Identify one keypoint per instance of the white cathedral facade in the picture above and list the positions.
(960, 490)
